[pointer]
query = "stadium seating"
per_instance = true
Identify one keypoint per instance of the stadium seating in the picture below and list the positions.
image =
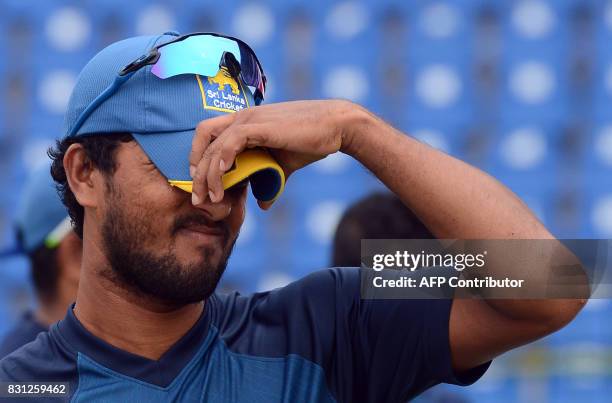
(522, 89)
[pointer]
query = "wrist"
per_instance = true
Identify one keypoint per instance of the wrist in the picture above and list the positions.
(354, 123)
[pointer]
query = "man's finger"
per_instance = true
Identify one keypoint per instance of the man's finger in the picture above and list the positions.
(206, 131)
(220, 154)
(198, 146)
(231, 143)
(200, 180)
(213, 178)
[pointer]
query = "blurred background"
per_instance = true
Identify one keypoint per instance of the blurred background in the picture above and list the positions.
(521, 89)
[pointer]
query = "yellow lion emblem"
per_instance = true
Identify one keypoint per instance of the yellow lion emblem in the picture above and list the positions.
(222, 78)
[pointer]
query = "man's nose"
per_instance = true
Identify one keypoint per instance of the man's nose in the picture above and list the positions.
(216, 211)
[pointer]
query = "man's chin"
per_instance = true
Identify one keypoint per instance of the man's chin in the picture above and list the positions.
(188, 281)
(200, 256)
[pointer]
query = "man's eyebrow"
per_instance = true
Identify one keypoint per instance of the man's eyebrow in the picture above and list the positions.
(149, 164)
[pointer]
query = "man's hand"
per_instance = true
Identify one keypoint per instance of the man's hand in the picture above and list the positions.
(295, 133)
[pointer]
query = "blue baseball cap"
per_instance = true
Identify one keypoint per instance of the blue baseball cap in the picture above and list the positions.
(162, 114)
(41, 217)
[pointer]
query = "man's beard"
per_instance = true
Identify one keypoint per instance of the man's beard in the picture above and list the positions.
(158, 276)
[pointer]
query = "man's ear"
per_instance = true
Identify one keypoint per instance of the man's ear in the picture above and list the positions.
(80, 174)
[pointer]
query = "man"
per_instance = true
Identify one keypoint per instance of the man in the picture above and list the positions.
(147, 324)
(377, 216)
(54, 252)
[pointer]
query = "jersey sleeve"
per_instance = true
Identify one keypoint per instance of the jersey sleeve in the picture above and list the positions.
(402, 346)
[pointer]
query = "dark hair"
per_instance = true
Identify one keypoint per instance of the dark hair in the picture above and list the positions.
(100, 150)
(44, 269)
(378, 216)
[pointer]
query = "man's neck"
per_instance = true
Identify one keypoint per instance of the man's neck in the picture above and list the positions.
(128, 322)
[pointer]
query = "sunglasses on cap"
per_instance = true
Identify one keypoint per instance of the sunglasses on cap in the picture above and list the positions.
(200, 53)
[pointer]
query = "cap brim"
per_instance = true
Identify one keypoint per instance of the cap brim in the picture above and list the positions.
(170, 154)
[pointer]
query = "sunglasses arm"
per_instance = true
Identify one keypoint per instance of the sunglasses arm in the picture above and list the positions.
(107, 93)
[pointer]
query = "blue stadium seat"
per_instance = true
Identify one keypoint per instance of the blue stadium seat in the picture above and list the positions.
(345, 52)
(316, 199)
(525, 151)
(580, 388)
(598, 205)
(441, 27)
(598, 153)
(420, 65)
(493, 387)
(439, 87)
(534, 84)
(15, 290)
(439, 71)
(4, 41)
(603, 33)
(602, 80)
(591, 326)
(530, 26)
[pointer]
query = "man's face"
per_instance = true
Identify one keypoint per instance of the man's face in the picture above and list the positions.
(157, 243)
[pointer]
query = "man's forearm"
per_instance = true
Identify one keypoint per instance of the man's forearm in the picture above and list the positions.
(452, 198)
(458, 201)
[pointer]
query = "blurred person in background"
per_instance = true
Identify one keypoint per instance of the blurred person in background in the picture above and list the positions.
(377, 216)
(148, 324)
(381, 215)
(54, 253)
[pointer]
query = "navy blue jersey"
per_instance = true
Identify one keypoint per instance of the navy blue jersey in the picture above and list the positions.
(26, 330)
(314, 340)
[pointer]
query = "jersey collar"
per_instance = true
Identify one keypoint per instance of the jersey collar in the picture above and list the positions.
(76, 339)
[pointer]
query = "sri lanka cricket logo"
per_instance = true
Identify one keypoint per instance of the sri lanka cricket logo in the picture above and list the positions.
(222, 92)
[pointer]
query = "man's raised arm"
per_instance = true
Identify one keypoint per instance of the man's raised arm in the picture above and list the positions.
(452, 198)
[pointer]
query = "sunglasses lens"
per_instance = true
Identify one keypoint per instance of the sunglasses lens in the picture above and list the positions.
(197, 54)
(251, 72)
(202, 54)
